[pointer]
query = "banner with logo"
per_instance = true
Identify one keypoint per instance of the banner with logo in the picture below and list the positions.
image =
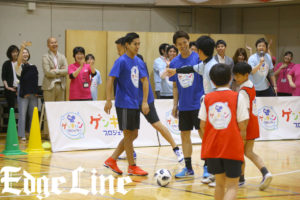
(164, 111)
(85, 125)
(279, 117)
(79, 125)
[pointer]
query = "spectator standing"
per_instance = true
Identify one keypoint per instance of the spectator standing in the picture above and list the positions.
(55, 70)
(80, 73)
(159, 63)
(281, 71)
(28, 91)
(9, 77)
(96, 80)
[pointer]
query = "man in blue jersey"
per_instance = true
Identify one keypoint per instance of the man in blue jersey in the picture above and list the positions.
(152, 116)
(128, 72)
(205, 49)
(187, 91)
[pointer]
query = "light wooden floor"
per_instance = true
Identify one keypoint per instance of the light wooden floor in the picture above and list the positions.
(281, 157)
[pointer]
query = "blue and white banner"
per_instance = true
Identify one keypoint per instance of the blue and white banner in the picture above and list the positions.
(84, 124)
(278, 117)
(79, 125)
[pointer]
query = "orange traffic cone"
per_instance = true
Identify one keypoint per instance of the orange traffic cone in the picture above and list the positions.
(35, 141)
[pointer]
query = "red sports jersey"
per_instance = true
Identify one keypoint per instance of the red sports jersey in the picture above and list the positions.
(253, 127)
(222, 137)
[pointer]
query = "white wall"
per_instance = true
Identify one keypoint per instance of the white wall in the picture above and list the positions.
(17, 24)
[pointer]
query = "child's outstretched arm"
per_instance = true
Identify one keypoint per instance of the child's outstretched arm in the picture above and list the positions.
(243, 128)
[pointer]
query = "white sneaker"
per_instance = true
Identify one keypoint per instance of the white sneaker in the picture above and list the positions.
(209, 179)
(179, 155)
(124, 157)
(266, 181)
(212, 184)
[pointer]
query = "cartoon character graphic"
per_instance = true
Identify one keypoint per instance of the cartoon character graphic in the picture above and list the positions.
(268, 118)
(219, 115)
(71, 118)
(186, 80)
(264, 69)
(72, 125)
(135, 76)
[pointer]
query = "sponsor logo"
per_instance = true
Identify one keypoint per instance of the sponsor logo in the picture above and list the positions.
(72, 125)
(268, 118)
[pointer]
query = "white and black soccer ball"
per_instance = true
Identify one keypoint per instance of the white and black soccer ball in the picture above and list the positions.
(163, 177)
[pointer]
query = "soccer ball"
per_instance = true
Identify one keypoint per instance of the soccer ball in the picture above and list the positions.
(163, 177)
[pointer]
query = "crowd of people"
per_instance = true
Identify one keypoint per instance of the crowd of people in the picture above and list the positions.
(270, 78)
(198, 81)
(20, 79)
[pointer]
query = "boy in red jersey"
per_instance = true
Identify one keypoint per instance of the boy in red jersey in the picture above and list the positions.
(241, 72)
(224, 117)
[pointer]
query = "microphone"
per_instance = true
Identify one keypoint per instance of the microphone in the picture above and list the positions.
(261, 54)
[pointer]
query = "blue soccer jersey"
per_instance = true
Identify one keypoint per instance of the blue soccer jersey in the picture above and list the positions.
(150, 95)
(190, 86)
(128, 72)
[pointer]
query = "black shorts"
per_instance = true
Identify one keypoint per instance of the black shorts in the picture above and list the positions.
(129, 119)
(188, 120)
(152, 116)
(232, 168)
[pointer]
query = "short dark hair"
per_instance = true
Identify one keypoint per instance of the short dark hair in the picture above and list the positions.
(221, 42)
(120, 41)
(180, 34)
(289, 52)
(87, 57)
(140, 56)
(220, 74)
(78, 50)
(162, 47)
(172, 47)
(10, 49)
(237, 54)
(241, 68)
(260, 40)
(192, 44)
(130, 37)
(206, 44)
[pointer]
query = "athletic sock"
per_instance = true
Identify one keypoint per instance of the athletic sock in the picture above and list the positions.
(176, 149)
(242, 178)
(188, 163)
(264, 171)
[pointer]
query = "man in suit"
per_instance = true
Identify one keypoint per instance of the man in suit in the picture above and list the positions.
(55, 69)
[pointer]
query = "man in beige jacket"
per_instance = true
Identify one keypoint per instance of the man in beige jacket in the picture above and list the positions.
(55, 69)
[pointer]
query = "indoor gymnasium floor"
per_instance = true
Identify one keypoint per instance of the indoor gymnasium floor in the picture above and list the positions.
(281, 157)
